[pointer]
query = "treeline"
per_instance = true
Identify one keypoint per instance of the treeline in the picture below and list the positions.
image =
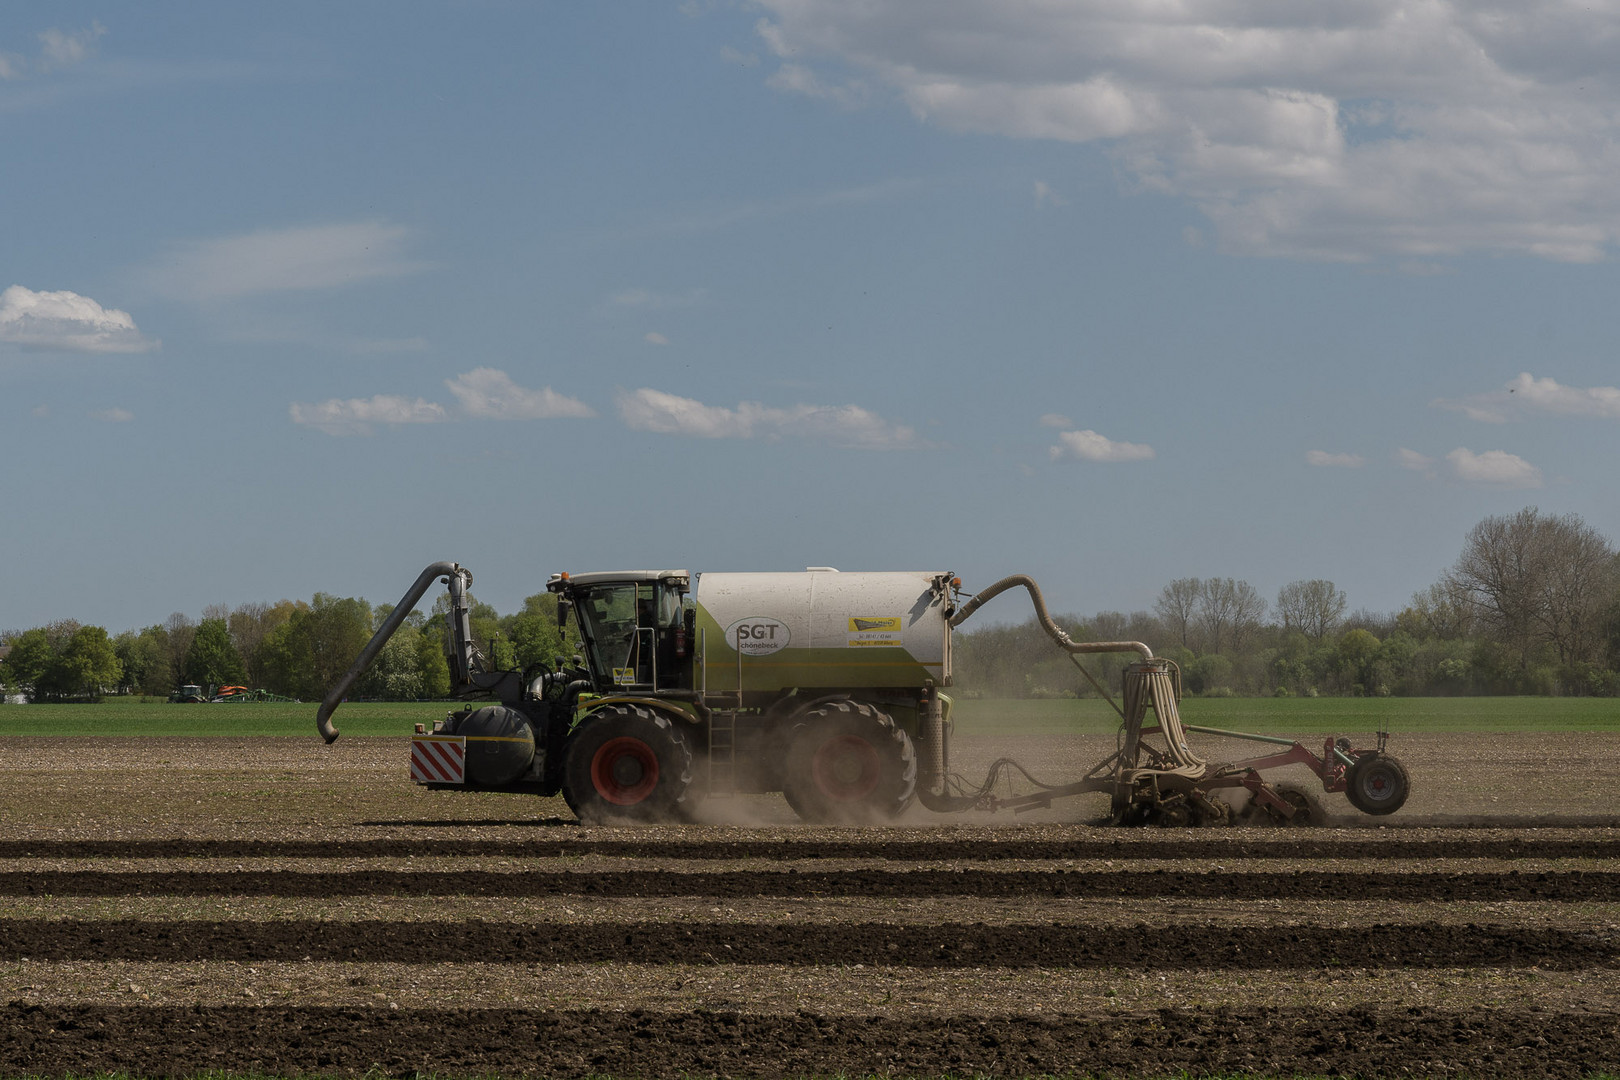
(1531, 606)
(292, 648)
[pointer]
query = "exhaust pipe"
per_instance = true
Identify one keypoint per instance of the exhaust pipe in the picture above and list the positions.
(455, 576)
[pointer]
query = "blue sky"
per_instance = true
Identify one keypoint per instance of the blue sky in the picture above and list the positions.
(302, 297)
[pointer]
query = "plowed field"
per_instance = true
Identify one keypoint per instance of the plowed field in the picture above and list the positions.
(170, 907)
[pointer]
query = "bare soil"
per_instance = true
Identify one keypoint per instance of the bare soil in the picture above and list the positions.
(170, 907)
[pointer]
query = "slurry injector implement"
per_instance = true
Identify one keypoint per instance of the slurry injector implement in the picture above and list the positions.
(822, 685)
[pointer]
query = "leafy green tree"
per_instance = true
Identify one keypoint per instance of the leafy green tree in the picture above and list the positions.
(180, 629)
(433, 667)
(535, 636)
(30, 662)
(146, 662)
(1358, 649)
(212, 659)
(335, 630)
(88, 662)
(283, 659)
(395, 673)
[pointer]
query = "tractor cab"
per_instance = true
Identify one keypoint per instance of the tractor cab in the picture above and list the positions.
(635, 626)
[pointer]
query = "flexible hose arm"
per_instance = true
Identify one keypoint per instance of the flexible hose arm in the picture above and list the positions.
(1053, 630)
(448, 570)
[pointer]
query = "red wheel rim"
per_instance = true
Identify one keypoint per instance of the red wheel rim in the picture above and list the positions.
(846, 768)
(624, 771)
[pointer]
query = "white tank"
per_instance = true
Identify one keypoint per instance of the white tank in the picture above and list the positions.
(823, 629)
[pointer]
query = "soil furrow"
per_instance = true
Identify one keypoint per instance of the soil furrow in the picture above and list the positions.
(1367, 1042)
(1205, 846)
(1317, 885)
(1422, 945)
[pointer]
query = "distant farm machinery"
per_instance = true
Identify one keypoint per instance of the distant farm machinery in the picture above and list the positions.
(822, 685)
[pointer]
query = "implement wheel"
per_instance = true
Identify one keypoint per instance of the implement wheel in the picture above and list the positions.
(849, 764)
(626, 764)
(1307, 810)
(1377, 784)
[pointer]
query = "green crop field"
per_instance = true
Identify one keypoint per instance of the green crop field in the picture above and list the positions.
(114, 717)
(1274, 716)
(1304, 716)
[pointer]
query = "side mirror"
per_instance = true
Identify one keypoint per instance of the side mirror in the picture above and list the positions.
(563, 608)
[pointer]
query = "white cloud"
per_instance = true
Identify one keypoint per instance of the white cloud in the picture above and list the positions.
(57, 49)
(1089, 446)
(798, 79)
(60, 48)
(1494, 467)
(1526, 393)
(1045, 196)
(655, 338)
(1334, 131)
(282, 260)
(848, 426)
(1411, 459)
(1548, 396)
(356, 416)
(1334, 461)
(113, 416)
(489, 394)
(481, 394)
(1053, 419)
(67, 321)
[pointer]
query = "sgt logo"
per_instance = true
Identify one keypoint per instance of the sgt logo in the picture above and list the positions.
(758, 636)
(874, 630)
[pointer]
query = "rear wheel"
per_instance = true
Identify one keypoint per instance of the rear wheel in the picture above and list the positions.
(849, 764)
(626, 764)
(1377, 784)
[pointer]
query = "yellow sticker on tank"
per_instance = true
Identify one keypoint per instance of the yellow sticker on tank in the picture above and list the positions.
(624, 676)
(867, 631)
(860, 624)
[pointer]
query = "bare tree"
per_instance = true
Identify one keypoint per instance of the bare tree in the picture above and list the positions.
(1532, 580)
(1437, 612)
(1313, 607)
(1228, 612)
(1177, 606)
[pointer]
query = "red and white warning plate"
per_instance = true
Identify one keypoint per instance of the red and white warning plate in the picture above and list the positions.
(439, 759)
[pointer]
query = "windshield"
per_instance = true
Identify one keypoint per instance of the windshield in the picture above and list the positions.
(622, 624)
(607, 621)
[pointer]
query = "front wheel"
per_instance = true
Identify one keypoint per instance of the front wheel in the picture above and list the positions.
(626, 764)
(849, 764)
(1377, 784)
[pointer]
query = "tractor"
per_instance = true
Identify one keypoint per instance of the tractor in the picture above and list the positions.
(824, 686)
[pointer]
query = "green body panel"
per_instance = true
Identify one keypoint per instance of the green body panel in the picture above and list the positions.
(721, 668)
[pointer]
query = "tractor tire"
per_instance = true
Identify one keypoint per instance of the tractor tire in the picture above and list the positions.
(624, 764)
(1377, 784)
(849, 764)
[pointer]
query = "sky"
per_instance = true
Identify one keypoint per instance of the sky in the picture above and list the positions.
(303, 297)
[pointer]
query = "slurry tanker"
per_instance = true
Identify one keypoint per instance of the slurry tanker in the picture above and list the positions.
(825, 686)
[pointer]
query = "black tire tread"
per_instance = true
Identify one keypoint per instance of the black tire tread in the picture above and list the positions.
(664, 805)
